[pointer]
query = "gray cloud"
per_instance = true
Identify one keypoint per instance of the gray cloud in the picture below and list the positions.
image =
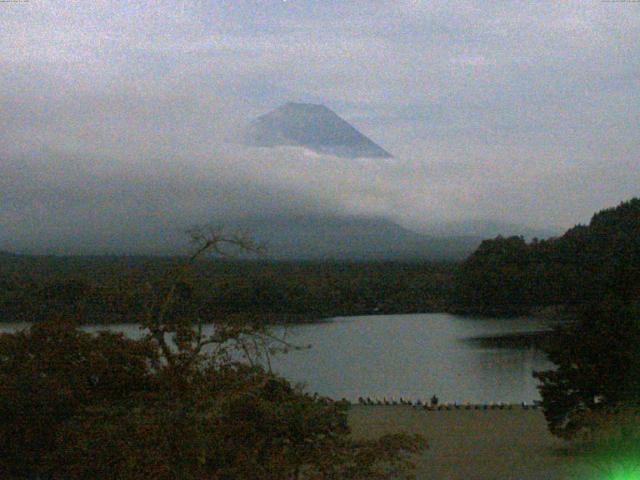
(114, 115)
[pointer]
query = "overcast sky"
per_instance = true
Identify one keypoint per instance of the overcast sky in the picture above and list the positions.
(114, 113)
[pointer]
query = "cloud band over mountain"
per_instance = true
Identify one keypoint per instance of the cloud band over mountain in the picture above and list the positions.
(114, 114)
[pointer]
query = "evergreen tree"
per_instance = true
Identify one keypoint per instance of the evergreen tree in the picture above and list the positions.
(597, 367)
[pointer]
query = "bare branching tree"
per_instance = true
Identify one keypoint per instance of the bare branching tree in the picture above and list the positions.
(182, 338)
(177, 403)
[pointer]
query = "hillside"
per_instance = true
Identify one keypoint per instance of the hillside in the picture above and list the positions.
(587, 263)
(350, 238)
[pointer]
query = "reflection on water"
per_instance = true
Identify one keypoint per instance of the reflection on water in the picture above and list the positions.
(412, 356)
(513, 340)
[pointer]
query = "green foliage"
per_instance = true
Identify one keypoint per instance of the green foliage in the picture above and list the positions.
(597, 367)
(594, 273)
(114, 290)
(509, 276)
(493, 279)
(173, 404)
(77, 406)
(51, 373)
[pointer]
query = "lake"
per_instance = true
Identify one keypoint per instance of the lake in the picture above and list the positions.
(411, 356)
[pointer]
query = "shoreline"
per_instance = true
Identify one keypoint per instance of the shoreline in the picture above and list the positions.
(279, 319)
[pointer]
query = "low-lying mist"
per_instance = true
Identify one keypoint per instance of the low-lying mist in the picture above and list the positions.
(129, 174)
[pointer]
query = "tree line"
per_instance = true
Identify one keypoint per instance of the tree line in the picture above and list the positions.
(592, 272)
(175, 403)
(508, 276)
(114, 289)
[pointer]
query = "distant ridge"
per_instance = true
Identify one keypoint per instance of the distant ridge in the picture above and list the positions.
(310, 126)
(487, 229)
(334, 237)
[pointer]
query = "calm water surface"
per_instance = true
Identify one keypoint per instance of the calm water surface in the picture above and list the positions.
(413, 356)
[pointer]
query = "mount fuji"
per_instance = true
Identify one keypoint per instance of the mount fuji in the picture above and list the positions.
(310, 126)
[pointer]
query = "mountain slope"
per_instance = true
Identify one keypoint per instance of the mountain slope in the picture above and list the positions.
(311, 126)
(353, 238)
(586, 264)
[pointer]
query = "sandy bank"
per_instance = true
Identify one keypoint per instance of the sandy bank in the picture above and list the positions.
(476, 444)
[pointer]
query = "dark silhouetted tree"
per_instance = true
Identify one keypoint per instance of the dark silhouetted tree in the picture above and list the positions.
(177, 403)
(597, 367)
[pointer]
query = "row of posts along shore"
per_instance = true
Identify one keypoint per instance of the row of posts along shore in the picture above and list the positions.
(435, 405)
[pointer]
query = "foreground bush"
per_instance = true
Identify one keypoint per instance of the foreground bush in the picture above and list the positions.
(597, 368)
(78, 406)
(175, 404)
